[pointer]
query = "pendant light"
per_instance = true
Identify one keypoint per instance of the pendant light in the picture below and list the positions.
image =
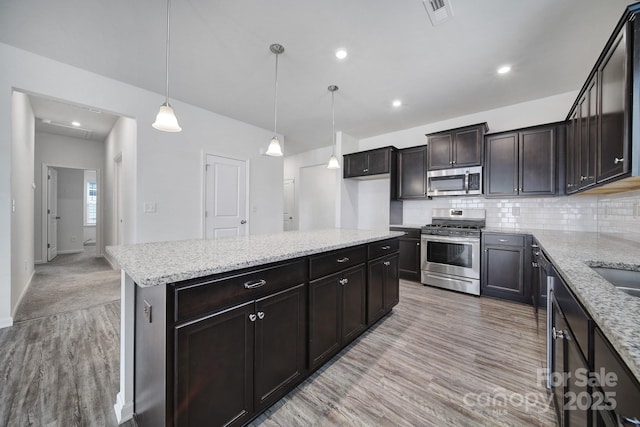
(166, 119)
(274, 147)
(333, 161)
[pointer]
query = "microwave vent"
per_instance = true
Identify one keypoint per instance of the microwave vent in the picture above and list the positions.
(439, 11)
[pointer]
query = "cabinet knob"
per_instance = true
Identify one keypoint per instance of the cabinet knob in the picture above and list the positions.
(557, 334)
(385, 248)
(344, 281)
(418, 244)
(261, 315)
(365, 170)
(387, 263)
(617, 160)
(252, 317)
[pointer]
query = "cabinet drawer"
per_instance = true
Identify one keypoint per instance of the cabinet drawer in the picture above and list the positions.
(199, 297)
(322, 265)
(410, 233)
(378, 249)
(577, 318)
(503, 239)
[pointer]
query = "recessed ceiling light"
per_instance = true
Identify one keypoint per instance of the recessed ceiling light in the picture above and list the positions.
(504, 69)
(76, 124)
(341, 53)
(397, 103)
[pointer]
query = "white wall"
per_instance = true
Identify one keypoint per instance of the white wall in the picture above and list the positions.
(164, 168)
(70, 210)
(60, 151)
(16, 253)
(347, 188)
(318, 197)
(89, 232)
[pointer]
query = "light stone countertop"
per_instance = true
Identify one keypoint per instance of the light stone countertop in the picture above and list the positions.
(616, 313)
(419, 227)
(150, 264)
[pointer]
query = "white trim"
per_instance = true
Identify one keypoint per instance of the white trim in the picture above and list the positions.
(70, 251)
(6, 322)
(21, 297)
(124, 410)
(124, 399)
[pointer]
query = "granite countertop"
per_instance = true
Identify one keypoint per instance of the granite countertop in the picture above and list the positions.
(159, 263)
(616, 313)
(418, 226)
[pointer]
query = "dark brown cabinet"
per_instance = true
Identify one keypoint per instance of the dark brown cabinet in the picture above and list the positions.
(506, 266)
(599, 143)
(337, 312)
(371, 162)
(523, 162)
(412, 173)
(382, 287)
(460, 147)
(409, 253)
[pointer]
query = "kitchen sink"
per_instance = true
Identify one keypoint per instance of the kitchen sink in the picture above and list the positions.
(626, 280)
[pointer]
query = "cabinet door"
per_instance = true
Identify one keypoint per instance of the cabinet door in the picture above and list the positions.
(467, 148)
(577, 413)
(588, 136)
(573, 154)
(391, 282)
(409, 261)
(501, 173)
(378, 161)
(281, 337)
(214, 369)
(412, 173)
(503, 273)
(439, 152)
(354, 290)
(375, 291)
(325, 326)
(613, 149)
(537, 166)
(355, 164)
(558, 361)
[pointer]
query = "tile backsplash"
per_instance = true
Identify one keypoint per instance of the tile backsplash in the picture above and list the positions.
(618, 213)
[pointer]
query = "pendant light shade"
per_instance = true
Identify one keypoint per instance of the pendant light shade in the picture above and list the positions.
(274, 146)
(166, 119)
(333, 160)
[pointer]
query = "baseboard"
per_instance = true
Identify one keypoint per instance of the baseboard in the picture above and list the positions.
(22, 294)
(124, 410)
(6, 322)
(39, 261)
(71, 251)
(111, 261)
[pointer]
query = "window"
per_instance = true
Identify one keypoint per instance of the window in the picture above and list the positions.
(91, 203)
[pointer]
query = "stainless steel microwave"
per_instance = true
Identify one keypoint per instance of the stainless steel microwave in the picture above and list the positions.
(455, 182)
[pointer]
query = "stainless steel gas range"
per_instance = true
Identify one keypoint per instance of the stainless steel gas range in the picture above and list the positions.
(450, 251)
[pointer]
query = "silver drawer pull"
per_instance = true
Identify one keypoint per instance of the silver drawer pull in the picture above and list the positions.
(341, 260)
(387, 263)
(252, 317)
(344, 281)
(261, 315)
(385, 248)
(617, 160)
(503, 240)
(252, 284)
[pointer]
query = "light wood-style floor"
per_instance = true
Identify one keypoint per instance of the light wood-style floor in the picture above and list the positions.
(441, 358)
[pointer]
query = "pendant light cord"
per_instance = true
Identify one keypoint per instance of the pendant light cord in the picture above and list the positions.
(333, 120)
(167, 53)
(275, 102)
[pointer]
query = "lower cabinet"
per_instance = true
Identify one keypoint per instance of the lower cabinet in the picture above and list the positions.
(506, 266)
(409, 261)
(383, 287)
(336, 312)
(239, 360)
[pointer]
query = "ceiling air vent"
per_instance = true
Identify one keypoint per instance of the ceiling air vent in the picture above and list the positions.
(439, 11)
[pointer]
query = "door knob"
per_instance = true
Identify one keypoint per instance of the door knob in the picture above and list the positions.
(243, 222)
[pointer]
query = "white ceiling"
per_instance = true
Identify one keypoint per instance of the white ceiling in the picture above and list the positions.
(220, 58)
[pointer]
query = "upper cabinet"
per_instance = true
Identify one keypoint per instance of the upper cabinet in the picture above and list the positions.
(523, 162)
(412, 173)
(371, 162)
(600, 138)
(460, 147)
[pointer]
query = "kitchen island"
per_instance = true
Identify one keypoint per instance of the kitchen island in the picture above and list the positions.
(224, 328)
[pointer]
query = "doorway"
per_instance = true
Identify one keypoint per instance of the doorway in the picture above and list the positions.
(288, 209)
(226, 197)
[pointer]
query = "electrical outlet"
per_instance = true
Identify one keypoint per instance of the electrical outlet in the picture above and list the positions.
(146, 310)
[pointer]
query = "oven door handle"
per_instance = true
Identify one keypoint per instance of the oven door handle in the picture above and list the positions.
(449, 239)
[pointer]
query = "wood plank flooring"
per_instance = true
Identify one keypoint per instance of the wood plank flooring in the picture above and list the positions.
(441, 358)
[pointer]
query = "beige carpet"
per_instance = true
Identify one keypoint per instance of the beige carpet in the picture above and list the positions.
(69, 282)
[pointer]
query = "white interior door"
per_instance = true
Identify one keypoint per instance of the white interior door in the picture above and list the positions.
(117, 201)
(289, 204)
(225, 197)
(52, 214)
(317, 198)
